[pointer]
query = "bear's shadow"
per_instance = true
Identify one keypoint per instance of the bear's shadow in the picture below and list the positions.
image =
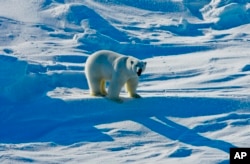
(69, 122)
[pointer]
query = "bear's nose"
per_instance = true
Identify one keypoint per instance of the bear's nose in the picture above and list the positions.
(139, 72)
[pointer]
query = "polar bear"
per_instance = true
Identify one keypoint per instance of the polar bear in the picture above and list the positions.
(116, 68)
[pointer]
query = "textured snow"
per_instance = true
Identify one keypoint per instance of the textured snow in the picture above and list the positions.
(196, 92)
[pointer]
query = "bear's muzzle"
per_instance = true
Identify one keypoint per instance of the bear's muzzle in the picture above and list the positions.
(139, 72)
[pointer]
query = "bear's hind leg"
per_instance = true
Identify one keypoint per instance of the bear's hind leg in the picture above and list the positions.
(95, 87)
(131, 86)
(103, 86)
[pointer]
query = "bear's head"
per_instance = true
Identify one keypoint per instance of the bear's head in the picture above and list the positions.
(138, 66)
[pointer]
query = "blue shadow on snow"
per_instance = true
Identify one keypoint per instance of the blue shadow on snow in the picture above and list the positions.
(66, 123)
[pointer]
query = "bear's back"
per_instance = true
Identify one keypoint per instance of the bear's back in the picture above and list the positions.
(104, 56)
(102, 62)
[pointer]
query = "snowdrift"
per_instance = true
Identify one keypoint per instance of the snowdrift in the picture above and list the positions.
(195, 105)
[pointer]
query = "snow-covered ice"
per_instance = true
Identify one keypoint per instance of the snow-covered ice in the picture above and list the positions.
(196, 88)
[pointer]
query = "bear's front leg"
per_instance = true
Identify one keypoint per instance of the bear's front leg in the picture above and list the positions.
(131, 86)
(114, 90)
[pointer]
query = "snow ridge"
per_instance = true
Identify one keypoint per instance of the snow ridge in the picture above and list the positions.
(196, 101)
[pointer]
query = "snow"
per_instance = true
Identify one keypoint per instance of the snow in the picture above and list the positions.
(196, 101)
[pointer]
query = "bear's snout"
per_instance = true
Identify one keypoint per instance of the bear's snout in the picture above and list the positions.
(139, 72)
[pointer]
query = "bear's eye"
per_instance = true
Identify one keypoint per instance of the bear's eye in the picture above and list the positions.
(132, 62)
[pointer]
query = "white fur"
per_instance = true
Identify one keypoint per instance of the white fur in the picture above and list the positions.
(119, 69)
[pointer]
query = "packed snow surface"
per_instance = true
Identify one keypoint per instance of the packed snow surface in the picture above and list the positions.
(195, 91)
